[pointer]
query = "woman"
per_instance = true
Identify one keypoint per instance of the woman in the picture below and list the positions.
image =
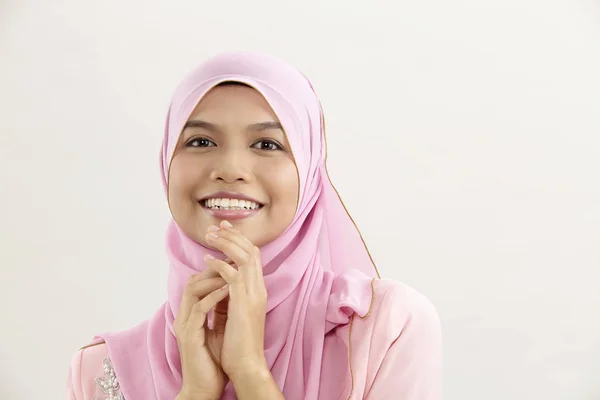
(271, 292)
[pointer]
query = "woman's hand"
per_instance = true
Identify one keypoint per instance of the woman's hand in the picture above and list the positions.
(199, 346)
(242, 354)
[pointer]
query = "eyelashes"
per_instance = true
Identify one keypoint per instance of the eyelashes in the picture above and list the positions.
(261, 144)
(200, 142)
(271, 145)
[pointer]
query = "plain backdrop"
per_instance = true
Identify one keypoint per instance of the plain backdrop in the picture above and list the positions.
(464, 138)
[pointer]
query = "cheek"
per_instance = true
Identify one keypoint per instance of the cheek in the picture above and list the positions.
(183, 176)
(285, 185)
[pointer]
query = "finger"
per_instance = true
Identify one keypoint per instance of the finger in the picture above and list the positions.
(226, 225)
(252, 273)
(207, 273)
(227, 271)
(230, 246)
(200, 310)
(194, 291)
(220, 315)
(236, 236)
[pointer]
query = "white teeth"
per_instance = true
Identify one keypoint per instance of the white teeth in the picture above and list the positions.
(231, 204)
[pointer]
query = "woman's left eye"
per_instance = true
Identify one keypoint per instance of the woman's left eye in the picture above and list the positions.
(268, 145)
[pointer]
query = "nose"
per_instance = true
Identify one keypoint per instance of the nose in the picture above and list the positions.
(231, 167)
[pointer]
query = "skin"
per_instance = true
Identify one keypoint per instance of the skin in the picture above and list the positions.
(239, 147)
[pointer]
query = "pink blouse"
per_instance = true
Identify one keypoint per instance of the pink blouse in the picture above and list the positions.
(394, 353)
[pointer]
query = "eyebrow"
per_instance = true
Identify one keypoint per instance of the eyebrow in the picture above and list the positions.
(259, 127)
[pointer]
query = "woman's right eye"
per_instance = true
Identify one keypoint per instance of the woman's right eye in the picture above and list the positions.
(200, 142)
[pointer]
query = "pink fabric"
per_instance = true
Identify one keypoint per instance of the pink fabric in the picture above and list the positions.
(317, 273)
(396, 354)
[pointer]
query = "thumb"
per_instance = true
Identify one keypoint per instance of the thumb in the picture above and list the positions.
(220, 316)
(230, 262)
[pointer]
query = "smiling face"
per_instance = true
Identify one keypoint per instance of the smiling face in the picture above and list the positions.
(233, 162)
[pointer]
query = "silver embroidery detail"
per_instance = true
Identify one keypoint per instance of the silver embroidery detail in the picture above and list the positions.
(109, 384)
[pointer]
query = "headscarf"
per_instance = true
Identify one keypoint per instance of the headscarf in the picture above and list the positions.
(318, 272)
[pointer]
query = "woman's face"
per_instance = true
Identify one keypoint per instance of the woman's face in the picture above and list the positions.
(233, 162)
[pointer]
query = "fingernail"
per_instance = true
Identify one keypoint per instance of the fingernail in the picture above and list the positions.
(213, 228)
(212, 235)
(208, 257)
(226, 224)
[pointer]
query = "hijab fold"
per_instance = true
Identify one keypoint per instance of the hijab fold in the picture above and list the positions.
(318, 272)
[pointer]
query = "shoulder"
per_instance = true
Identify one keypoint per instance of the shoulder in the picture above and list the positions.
(91, 373)
(397, 308)
(395, 298)
(397, 345)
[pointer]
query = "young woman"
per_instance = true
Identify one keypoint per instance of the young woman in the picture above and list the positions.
(272, 293)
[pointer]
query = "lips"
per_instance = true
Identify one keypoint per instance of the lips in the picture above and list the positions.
(230, 205)
(230, 196)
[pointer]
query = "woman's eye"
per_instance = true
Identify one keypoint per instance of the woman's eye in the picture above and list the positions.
(200, 142)
(268, 145)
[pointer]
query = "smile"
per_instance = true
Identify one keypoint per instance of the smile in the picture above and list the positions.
(230, 206)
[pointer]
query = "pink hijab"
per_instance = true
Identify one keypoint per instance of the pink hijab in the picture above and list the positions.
(317, 273)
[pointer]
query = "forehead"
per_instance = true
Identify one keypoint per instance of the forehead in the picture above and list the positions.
(234, 101)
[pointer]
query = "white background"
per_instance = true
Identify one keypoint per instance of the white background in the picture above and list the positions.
(464, 137)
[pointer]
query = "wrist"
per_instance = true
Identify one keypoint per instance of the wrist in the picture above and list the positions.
(256, 372)
(180, 397)
(184, 395)
(256, 383)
